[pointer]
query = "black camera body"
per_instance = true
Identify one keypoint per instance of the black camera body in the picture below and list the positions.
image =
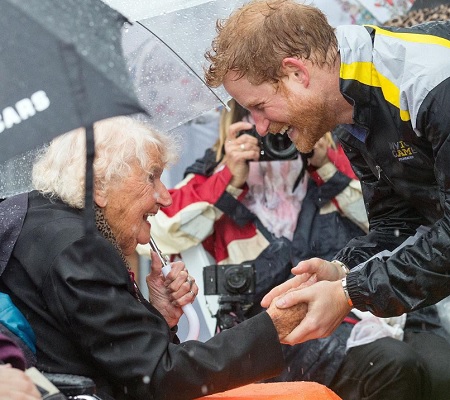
(273, 146)
(229, 279)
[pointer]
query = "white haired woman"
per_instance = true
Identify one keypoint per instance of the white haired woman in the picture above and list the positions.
(87, 313)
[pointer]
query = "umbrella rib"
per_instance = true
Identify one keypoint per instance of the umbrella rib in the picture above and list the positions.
(182, 60)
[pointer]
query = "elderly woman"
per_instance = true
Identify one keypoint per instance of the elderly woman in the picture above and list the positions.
(87, 313)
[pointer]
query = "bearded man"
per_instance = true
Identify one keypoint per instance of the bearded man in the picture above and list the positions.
(385, 92)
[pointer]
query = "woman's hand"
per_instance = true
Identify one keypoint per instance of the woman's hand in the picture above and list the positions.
(16, 385)
(168, 294)
(240, 150)
(316, 311)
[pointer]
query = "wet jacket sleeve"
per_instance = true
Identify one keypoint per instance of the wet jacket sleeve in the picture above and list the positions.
(191, 217)
(418, 275)
(129, 343)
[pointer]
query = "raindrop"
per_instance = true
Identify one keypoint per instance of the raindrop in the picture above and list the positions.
(204, 389)
(146, 379)
(396, 232)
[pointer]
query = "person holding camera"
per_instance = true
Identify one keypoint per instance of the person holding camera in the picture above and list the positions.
(225, 169)
(291, 199)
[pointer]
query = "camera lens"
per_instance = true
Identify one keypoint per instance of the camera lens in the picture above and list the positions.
(279, 147)
(236, 279)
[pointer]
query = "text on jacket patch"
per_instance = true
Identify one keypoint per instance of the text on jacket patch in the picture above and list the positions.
(23, 109)
(402, 150)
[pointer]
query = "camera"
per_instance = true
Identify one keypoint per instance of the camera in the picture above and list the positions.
(229, 279)
(273, 146)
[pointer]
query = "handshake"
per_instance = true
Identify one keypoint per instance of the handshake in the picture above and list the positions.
(312, 304)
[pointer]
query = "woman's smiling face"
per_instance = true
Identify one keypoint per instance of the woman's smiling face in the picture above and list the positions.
(128, 203)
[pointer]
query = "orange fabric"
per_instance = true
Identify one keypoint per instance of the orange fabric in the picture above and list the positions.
(277, 391)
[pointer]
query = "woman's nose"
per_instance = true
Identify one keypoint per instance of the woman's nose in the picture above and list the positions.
(164, 198)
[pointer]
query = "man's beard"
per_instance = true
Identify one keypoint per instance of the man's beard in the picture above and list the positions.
(311, 118)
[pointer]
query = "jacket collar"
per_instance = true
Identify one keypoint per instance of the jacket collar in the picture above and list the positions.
(355, 44)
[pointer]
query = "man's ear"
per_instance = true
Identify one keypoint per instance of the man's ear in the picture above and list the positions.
(296, 70)
(100, 198)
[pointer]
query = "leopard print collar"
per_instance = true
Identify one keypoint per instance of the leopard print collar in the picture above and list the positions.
(438, 13)
(105, 230)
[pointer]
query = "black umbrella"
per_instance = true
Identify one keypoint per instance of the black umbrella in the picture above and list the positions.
(61, 68)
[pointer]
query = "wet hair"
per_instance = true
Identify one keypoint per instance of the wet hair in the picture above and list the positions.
(120, 142)
(255, 39)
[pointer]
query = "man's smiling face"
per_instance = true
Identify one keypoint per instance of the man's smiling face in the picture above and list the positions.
(292, 109)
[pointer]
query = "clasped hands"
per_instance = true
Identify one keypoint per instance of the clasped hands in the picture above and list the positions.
(168, 294)
(317, 288)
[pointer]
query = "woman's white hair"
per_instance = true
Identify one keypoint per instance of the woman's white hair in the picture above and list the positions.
(120, 141)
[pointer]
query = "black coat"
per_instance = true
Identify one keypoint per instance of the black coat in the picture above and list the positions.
(399, 148)
(88, 322)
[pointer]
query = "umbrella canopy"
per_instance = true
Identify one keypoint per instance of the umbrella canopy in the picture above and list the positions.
(164, 49)
(62, 67)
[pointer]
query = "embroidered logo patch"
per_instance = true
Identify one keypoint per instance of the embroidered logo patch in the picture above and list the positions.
(402, 151)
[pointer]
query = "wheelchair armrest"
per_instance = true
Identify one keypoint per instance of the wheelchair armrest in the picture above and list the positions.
(72, 385)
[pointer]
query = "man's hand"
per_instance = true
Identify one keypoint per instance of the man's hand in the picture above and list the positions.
(321, 269)
(307, 272)
(294, 283)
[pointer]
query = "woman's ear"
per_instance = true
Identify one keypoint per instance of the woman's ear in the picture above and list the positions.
(296, 70)
(100, 198)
